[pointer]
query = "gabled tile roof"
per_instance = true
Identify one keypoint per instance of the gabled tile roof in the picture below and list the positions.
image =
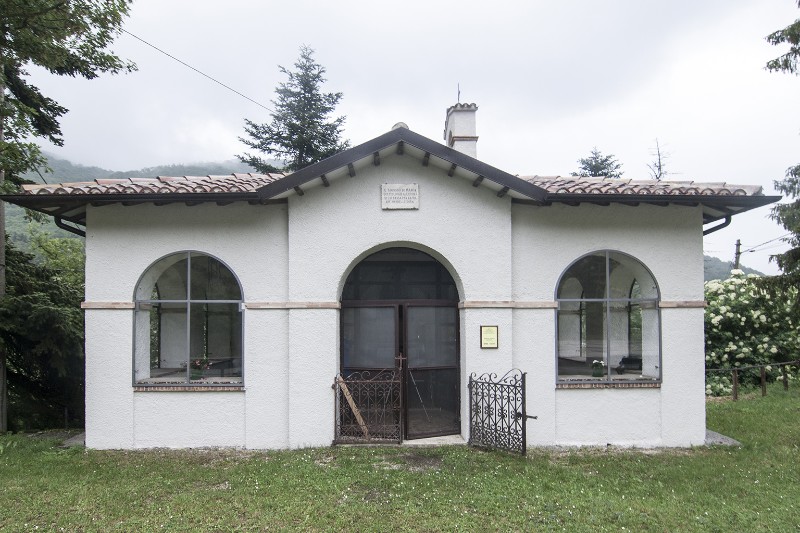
(69, 201)
(606, 186)
(232, 183)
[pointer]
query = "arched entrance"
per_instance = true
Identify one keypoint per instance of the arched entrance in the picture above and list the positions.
(400, 310)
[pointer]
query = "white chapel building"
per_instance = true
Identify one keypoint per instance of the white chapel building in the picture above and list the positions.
(257, 310)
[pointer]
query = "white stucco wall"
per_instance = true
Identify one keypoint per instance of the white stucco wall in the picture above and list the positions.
(465, 227)
(121, 243)
(668, 241)
(302, 252)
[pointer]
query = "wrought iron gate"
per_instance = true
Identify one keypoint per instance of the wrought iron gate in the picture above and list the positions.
(368, 407)
(497, 414)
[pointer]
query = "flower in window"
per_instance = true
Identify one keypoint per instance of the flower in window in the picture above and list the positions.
(201, 363)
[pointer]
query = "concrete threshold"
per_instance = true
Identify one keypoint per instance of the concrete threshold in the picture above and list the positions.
(77, 440)
(717, 439)
(447, 440)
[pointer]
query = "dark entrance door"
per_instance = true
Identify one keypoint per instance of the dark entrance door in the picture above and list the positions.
(431, 370)
(400, 310)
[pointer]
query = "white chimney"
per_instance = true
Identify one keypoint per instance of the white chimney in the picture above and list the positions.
(459, 129)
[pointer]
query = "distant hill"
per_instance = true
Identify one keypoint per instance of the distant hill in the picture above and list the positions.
(715, 268)
(64, 171)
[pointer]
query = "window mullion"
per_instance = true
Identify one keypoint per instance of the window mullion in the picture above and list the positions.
(607, 317)
(188, 317)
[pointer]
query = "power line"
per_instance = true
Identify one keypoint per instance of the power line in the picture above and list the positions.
(766, 242)
(773, 247)
(185, 64)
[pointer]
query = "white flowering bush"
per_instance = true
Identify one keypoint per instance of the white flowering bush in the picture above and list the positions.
(745, 326)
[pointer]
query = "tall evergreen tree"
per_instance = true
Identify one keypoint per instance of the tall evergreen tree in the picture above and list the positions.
(788, 214)
(66, 38)
(301, 132)
(598, 165)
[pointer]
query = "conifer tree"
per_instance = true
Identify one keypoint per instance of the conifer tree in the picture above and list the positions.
(788, 214)
(599, 165)
(301, 131)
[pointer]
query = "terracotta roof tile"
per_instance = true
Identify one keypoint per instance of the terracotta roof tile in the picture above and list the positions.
(581, 185)
(159, 185)
(243, 183)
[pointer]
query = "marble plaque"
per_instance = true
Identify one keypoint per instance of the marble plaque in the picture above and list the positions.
(400, 196)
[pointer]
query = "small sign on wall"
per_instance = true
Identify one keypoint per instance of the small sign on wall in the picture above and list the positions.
(489, 337)
(400, 196)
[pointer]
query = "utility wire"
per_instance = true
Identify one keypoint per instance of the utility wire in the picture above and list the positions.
(774, 246)
(185, 64)
(766, 242)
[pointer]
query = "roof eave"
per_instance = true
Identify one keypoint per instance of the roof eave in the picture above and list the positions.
(726, 205)
(391, 138)
(61, 205)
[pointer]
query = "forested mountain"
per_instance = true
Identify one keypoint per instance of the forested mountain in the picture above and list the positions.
(63, 171)
(715, 268)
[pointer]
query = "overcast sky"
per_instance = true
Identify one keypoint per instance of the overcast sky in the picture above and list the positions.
(551, 79)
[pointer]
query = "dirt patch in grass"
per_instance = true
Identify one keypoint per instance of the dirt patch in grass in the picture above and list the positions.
(325, 461)
(557, 453)
(200, 457)
(55, 434)
(411, 462)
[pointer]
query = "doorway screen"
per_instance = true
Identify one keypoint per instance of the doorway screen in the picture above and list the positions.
(400, 312)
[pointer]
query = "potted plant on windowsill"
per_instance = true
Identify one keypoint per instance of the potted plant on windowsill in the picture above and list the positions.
(198, 366)
(598, 368)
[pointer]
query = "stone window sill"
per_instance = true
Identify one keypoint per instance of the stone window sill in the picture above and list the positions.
(188, 388)
(607, 385)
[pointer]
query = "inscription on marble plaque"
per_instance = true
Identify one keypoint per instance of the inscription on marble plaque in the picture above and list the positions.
(400, 196)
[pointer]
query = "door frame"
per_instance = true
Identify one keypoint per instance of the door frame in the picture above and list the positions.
(405, 374)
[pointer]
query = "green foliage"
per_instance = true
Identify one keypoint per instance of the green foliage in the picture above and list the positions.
(746, 325)
(67, 38)
(790, 35)
(20, 226)
(7, 446)
(599, 165)
(751, 488)
(788, 214)
(41, 327)
(301, 132)
(66, 258)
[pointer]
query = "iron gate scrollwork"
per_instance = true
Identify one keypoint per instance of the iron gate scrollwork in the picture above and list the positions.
(368, 406)
(497, 412)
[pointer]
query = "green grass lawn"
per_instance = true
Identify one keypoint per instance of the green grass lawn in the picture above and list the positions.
(752, 488)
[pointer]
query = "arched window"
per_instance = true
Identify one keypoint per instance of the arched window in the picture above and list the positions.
(609, 325)
(188, 323)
